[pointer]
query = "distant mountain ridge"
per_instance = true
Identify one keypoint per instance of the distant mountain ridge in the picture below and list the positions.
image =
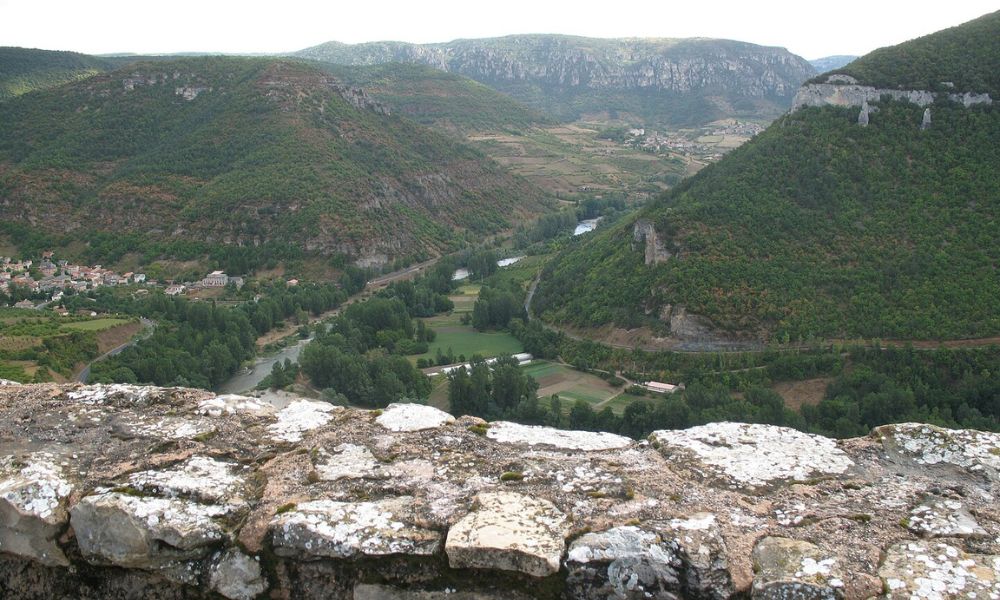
(869, 217)
(246, 152)
(671, 81)
(829, 63)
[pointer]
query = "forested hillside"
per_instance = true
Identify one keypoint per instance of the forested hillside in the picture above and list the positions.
(24, 70)
(821, 227)
(245, 152)
(435, 98)
(962, 58)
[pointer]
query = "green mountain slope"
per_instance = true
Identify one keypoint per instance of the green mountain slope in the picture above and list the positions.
(962, 58)
(819, 227)
(438, 99)
(24, 70)
(245, 151)
(653, 81)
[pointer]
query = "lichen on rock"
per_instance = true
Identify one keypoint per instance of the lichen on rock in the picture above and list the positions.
(751, 455)
(101, 497)
(412, 417)
(535, 435)
(325, 528)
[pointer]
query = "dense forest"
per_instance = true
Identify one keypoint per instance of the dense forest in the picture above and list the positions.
(200, 344)
(817, 228)
(359, 356)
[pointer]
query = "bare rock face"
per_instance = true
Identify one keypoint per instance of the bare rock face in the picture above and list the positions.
(237, 576)
(511, 532)
(141, 492)
(142, 532)
(655, 251)
(852, 94)
(790, 568)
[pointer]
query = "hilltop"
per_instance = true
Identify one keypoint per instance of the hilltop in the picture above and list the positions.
(869, 212)
(24, 70)
(235, 151)
(656, 81)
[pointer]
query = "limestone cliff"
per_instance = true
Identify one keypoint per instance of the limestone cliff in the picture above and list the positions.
(643, 232)
(567, 75)
(131, 492)
(844, 90)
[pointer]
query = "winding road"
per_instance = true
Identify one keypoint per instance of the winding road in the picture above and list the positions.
(147, 330)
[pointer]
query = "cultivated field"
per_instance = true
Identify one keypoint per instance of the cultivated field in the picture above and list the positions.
(572, 385)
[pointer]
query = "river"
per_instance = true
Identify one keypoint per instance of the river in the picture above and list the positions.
(586, 226)
(244, 380)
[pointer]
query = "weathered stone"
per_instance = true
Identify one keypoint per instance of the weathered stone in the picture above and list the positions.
(412, 417)
(789, 568)
(130, 531)
(925, 123)
(751, 455)
(300, 417)
(199, 478)
(348, 461)
(702, 551)
(940, 571)
(231, 404)
(864, 115)
(510, 532)
(534, 435)
(974, 451)
(325, 528)
(623, 562)
(33, 508)
(385, 592)
(237, 576)
(189, 514)
(939, 517)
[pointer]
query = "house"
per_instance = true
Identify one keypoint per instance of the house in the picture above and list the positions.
(25, 304)
(174, 290)
(215, 279)
(661, 388)
(139, 278)
(237, 281)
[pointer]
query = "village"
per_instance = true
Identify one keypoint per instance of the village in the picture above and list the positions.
(50, 279)
(709, 143)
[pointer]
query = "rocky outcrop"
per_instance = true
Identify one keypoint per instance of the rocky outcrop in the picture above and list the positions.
(542, 71)
(847, 92)
(643, 232)
(132, 492)
(569, 62)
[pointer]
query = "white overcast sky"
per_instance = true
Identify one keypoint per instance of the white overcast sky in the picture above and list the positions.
(810, 28)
